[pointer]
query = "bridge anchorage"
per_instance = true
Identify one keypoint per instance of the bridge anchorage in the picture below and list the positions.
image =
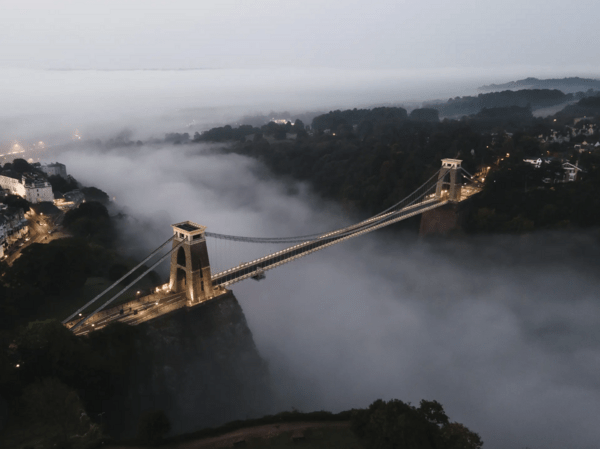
(192, 282)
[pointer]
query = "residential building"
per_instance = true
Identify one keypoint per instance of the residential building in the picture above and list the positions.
(55, 169)
(34, 187)
(13, 226)
(571, 172)
(70, 200)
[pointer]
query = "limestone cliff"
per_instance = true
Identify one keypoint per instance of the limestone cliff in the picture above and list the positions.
(200, 366)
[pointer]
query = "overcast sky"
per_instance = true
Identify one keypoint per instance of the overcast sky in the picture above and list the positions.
(397, 34)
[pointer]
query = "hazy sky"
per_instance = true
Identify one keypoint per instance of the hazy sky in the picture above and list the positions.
(426, 34)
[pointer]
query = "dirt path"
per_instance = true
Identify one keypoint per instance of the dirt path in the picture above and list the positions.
(228, 439)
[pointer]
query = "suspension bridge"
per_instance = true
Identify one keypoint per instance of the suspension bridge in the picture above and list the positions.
(192, 281)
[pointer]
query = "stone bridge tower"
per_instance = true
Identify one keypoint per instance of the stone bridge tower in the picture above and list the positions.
(449, 176)
(190, 268)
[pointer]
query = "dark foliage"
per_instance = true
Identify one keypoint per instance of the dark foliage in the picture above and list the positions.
(589, 106)
(97, 367)
(45, 208)
(373, 167)
(564, 84)
(116, 271)
(62, 185)
(56, 267)
(16, 202)
(177, 138)
(153, 426)
(43, 273)
(225, 133)
(334, 119)
(535, 98)
(425, 115)
(510, 118)
(516, 199)
(95, 194)
(397, 425)
(92, 210)
(21, 166)
(91, 221)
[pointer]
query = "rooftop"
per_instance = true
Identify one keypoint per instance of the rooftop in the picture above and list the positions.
(189, 227)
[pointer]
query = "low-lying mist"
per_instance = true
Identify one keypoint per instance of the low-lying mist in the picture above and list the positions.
(49, 105)
(503, 331)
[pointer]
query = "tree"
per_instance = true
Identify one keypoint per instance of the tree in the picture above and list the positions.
(21, 166)
(95, 194)
(397, 425)
(153, 426)
(116, 271)
(92, 209)
(425, 115)
(56, 267)
(51, 403)
(62, 185)
(16, 202)
(433, 412)
(298, 125)
(457, 436)
(91, 221)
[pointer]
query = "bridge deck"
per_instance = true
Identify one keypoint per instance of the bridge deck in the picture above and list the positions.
(152, 306)
(271, 261)
(133, 312)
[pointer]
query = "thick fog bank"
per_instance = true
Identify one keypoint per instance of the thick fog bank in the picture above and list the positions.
(503, 331)
(49, 105)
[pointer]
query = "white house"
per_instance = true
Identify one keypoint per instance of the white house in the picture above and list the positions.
(12, 182)
(38, 189)
(571, 172)
(31, 186)
(537, 163)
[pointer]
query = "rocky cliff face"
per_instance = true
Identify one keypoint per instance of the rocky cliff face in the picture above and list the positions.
(200, 366)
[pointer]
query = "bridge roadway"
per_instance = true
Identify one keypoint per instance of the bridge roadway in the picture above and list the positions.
(258, 266)
(132, 312)
(149, 307)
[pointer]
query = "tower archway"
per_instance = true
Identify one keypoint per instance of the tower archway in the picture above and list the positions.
(190, 267)
(181, 257)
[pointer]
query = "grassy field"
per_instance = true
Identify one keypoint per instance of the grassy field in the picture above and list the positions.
(318, 438)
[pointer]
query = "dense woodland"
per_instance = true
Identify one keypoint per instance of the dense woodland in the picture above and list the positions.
(370, 159)
(533, 98)
(48, 377)
(571, 84)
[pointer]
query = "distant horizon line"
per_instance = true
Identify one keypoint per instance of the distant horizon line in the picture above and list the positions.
(54, 69)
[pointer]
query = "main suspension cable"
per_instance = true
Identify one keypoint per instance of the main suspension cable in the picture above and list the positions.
(117, 281)
(302, 238)
(127, 287)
